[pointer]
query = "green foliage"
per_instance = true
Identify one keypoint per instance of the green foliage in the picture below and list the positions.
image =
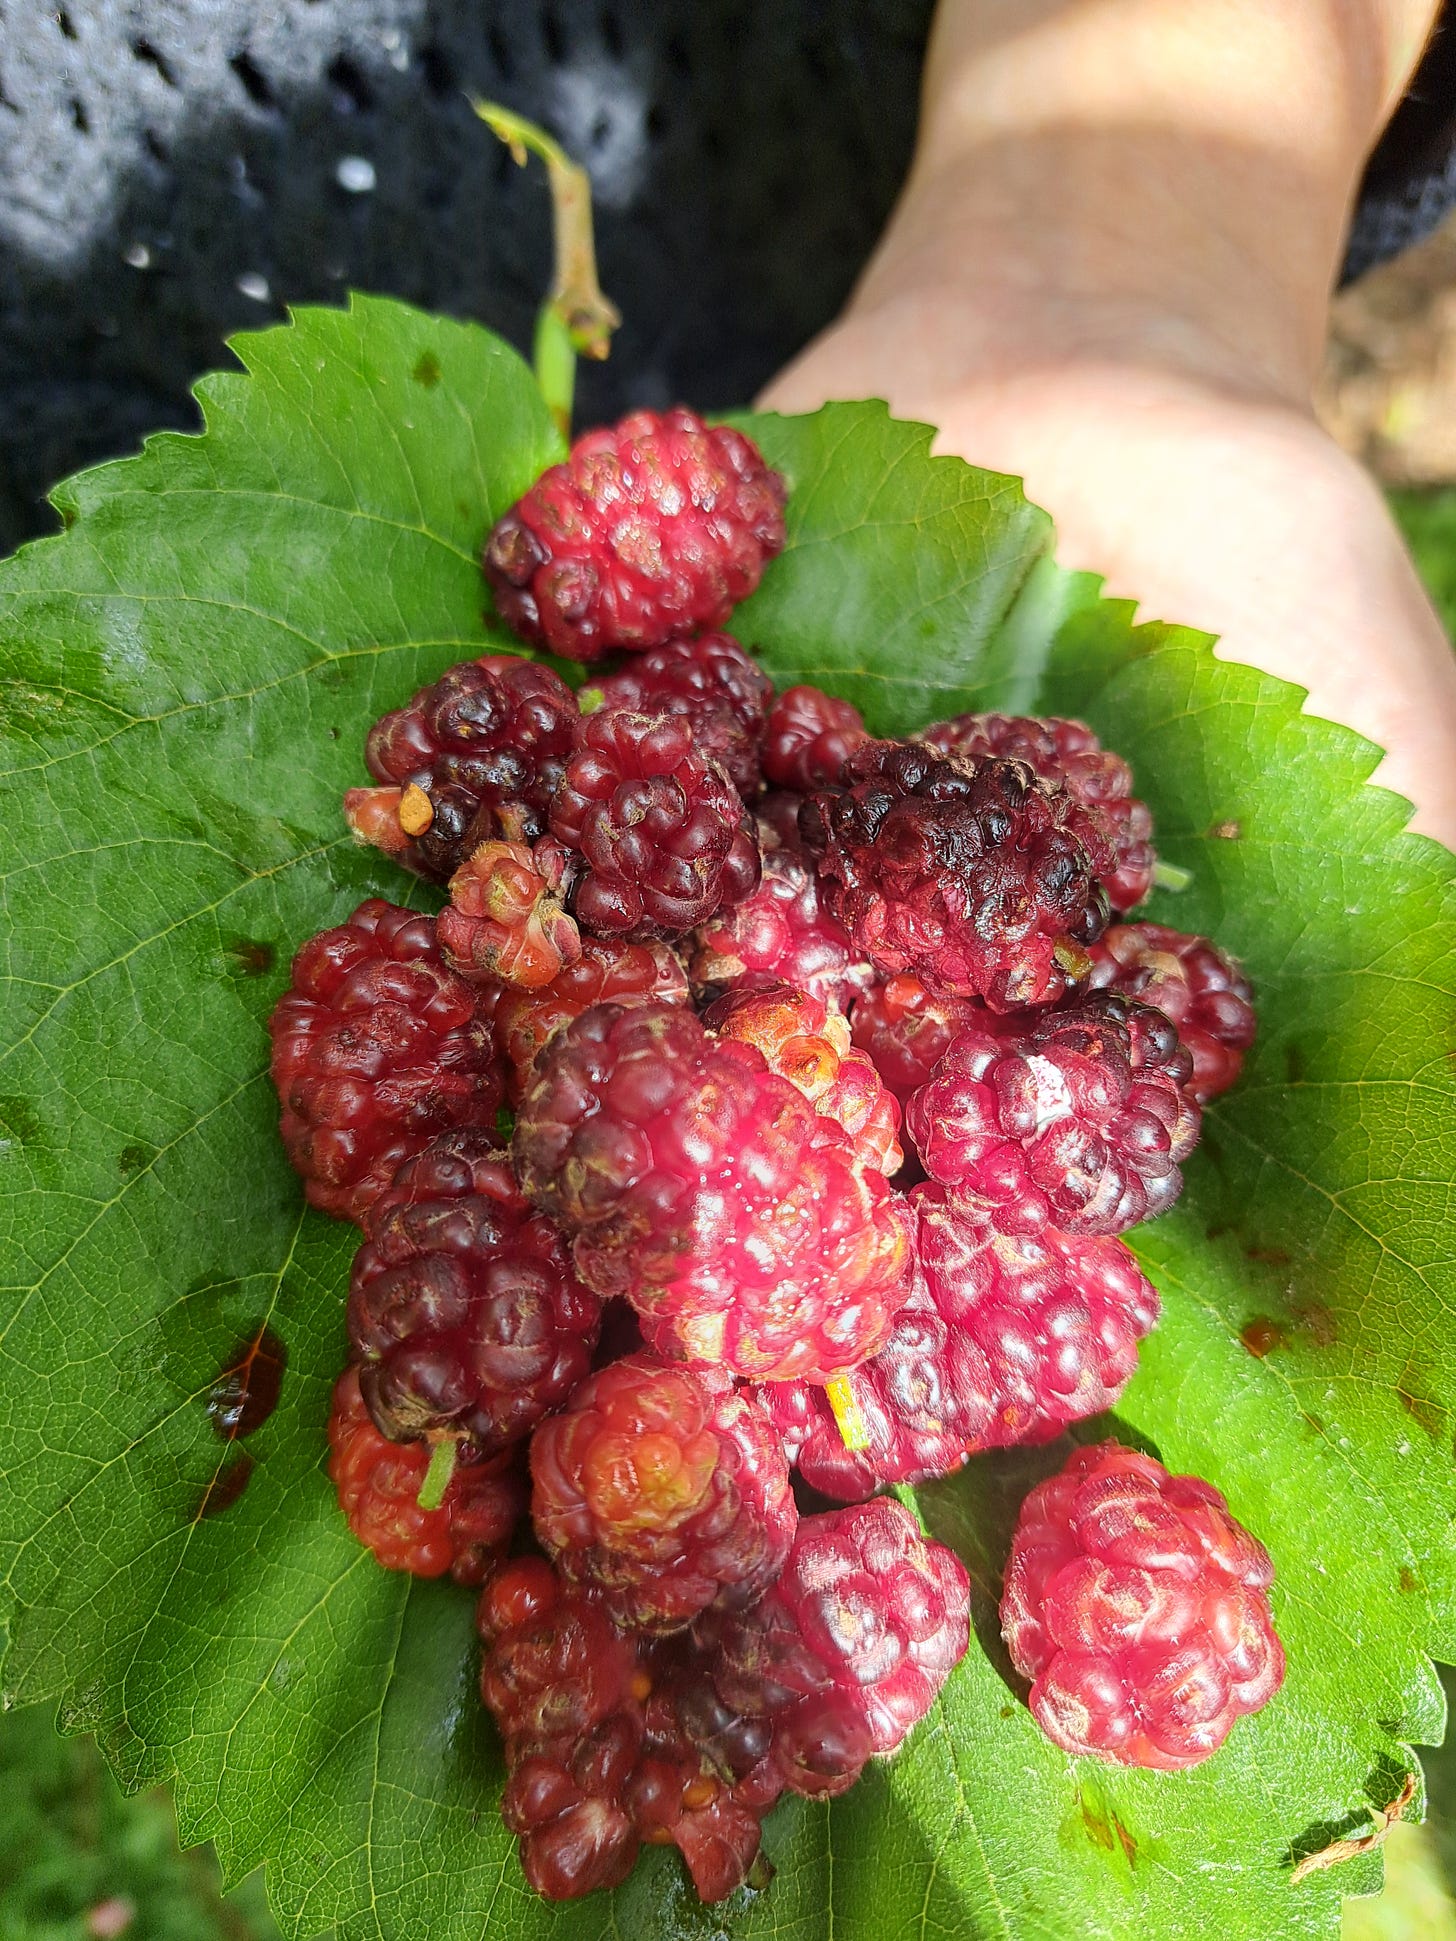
(71, 1842)
(1428, 520)
(191, 670)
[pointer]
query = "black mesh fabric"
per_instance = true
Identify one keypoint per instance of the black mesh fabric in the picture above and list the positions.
(173, 170)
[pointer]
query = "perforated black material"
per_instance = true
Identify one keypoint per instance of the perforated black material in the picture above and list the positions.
(172, 170)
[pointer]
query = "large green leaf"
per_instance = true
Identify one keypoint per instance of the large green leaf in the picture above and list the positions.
(191, 670)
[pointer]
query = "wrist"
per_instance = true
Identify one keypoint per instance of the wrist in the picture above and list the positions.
(1150, 183)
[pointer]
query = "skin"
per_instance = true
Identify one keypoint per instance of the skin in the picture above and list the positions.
(1109, 272)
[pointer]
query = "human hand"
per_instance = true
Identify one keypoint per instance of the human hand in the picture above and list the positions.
(1108, 274)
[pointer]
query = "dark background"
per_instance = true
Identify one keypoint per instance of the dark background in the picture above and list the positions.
(170, 172)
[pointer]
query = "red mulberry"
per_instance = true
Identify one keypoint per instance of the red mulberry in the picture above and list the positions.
(707, 1190)
(464, 1312)
(1115, 828)
(377, 1046)
(1191, 981)
(905, 1030)
(663, 832)
(718, 689)
(867, 1615)
(810, 736)
(781, 933)
(664, 1492)
(807, 1043)
(966, 873)
(608, 971)
(1080, 1117)
(1139, 1610)
(490, 734)
(653, 528)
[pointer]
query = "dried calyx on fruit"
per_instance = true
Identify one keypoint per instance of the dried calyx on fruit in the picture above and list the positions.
(1139, 1609)
(719, 690)
(663, 834)
(663, 1491)
(1191, 981)
(1114, 828)
(379, 1484)
(1007, 1340)
(968, 873)
(377, 1046)
(1079, 1117)
(653, 528)
(707, 1190)
(465, 1315)
(476, 755)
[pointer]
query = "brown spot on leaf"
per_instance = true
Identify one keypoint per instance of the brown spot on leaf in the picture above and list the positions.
(226, 1486)
(1408, 1580)
(1316, 1320)
(1226, 831)
(427, 370)
(246, 1391)
(131, 1159)
(1261, 1335)
(1314, 1423)
(1268, 1256)
(1104, 1829)
(251, 957)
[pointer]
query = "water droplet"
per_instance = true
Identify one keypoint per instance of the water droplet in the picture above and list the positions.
(356, 174)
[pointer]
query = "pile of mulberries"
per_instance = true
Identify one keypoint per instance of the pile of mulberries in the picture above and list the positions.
(758, 1123)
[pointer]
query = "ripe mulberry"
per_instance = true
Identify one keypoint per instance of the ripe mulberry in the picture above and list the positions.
(1139, 1610)
(1008, 1339)
(1080, 1117)
(867, 1615)
(608, 971)
(652, 529)
(378, 1483)
(377, 1046)
(967, 873)
(490, 734)
(781, 932)
(708, 1191)
(465, 1315)
(807, 1043)
(809, 737)
(664, 1492)
(719, 690)
(663, 833)
(1114, 828)
(1191, 981)
(905, 1030)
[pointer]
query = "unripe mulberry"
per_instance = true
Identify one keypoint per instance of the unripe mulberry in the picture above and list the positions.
(379, 1482)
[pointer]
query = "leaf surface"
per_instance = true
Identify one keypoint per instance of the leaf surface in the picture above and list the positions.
(190, 671)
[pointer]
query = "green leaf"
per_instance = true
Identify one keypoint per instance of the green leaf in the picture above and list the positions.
(178, 662)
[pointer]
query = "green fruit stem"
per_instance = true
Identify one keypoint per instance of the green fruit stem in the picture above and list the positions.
(576, 320)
